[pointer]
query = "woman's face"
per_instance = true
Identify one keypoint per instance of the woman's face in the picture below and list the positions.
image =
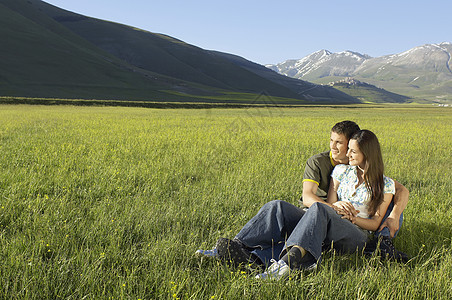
(354, 154)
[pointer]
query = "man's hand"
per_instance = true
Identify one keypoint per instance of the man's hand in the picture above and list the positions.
(392, 224)
(346, 209)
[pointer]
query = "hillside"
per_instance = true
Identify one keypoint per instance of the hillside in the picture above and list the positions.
(421, 72)
(43, 59)
(368, 93)
(307, 89)
(55, 53)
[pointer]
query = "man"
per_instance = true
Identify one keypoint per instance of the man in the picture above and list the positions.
(263, 237)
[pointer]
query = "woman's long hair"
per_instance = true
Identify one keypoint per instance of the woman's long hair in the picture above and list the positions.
(374, 167)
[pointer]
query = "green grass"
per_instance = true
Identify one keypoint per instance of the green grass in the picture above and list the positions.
(112, 202)
(180, 100)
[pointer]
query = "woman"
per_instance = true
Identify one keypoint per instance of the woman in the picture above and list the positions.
(359, 188)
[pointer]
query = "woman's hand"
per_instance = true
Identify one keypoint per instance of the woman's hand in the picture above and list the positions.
(351, 218)
(346, 209)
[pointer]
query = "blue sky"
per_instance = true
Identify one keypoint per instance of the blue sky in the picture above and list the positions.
(274, 31)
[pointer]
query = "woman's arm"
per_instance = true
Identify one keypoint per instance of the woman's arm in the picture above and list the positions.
(400, 202)
(344, 208)
(374, 222)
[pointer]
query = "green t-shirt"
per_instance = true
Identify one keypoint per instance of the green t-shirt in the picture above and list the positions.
(318, 170)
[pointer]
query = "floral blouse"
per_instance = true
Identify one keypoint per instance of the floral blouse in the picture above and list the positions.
(358, 196)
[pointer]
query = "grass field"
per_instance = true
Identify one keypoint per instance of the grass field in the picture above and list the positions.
(111, 203)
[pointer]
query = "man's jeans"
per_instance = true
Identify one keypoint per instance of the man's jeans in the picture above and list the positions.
(279, 224)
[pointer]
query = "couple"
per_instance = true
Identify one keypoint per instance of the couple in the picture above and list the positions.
(347, 197)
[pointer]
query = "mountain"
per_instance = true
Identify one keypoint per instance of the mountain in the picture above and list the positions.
(40, 58)
(56, 53)
(421, 72)
(321, 64)
(368, 93)
(308, 90)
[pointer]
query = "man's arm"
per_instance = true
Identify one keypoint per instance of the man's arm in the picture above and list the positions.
(400, 202)
(309, 193)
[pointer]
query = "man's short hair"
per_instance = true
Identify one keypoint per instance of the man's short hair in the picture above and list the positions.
(347, 128)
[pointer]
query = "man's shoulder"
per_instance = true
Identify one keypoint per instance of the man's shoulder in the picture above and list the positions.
(320, 156)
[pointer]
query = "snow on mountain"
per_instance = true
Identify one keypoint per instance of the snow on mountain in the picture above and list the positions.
(346, 63)
(423, 71)
(322, 63)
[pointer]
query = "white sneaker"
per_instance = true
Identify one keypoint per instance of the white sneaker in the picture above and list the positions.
(278, 269)
(207, 253)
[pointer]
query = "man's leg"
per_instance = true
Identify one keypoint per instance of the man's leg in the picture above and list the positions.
(384, 242)
(266, 232)
(262, 236)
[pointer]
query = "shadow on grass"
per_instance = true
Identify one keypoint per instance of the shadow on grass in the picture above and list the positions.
(418, 234)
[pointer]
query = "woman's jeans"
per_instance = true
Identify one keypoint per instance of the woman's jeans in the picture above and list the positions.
(279, 224)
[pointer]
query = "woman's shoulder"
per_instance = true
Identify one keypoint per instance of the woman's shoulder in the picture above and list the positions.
(340, 170)
(344, 168)
(388, 179)
(389, 185)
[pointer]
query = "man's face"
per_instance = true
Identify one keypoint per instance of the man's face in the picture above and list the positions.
(339, 147)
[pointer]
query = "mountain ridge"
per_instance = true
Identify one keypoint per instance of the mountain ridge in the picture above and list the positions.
(76, 56)
(422, 72)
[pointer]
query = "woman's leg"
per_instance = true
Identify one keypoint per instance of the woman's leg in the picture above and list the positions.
(321, 225)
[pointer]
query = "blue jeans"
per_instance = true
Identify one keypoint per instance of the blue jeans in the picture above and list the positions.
(385, 231)
(279, 224)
